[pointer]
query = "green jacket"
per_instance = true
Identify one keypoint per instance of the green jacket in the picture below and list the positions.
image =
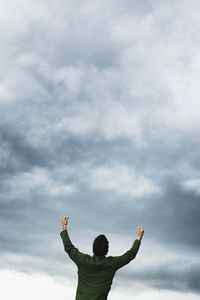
(95, 273)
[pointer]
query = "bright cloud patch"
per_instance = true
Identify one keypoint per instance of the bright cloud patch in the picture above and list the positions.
(122, 181)
(192, 185)
(38, 181)
(33, 286)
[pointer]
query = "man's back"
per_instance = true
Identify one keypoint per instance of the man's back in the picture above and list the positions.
(95, 273)
(95, 277)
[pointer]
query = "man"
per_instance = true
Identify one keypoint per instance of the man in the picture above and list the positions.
(95, 273)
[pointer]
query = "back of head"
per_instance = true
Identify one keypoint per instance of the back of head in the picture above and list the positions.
(100, 245)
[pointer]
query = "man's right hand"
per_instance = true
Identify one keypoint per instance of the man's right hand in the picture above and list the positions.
(65, 222)
(140, 232)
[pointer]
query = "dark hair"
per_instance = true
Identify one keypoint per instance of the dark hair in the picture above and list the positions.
(100, 245)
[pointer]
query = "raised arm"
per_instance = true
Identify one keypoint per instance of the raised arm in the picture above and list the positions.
(71, 250)
(120, 261)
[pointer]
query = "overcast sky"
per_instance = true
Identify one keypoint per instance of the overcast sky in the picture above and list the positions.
(100, 121)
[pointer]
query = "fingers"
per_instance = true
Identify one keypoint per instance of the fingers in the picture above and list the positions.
(65, 220)
(140, 228)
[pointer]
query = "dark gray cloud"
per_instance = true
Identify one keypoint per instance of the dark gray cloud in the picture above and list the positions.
(19, 154)
(168, 277)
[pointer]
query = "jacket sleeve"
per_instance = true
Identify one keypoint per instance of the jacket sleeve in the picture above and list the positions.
(72, 251)
(122, 260)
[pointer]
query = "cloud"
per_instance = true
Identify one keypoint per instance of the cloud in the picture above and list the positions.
(178, 278)
(193, 185)
(117, 122)
(38, 181)
(121, 180)
(40, 286)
